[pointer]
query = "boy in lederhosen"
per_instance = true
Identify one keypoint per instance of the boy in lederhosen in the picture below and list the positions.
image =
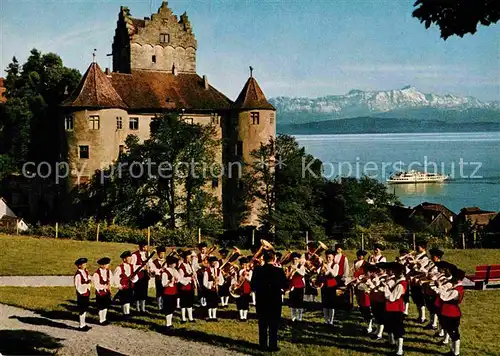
(187, 286)
(417, 293)
(362, 296)
(402, 253)
(295, 274)
(169, 279)
(82, 284)
(102, 283)
(224, 291)
(377, 297)
(142, 285)
(310, 293)
(156, 268)
(124, 279)
(242, 281)
(212, 281)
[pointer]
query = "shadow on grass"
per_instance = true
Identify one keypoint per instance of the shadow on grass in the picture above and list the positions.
(27, 342)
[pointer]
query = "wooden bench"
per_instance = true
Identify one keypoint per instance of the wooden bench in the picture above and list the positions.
(484, 275)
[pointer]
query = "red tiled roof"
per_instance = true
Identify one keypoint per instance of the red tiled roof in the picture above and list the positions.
(163, 90)
(3, 99)
(252, 97)
(438, 208)
(94, 91)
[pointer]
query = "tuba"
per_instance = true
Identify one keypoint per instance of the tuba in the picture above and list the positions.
(286, 259)
(256, 259)
(228, 267)
(313, 263)
(236, 289)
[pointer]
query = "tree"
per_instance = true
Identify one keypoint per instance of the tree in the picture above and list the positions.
(457, 17)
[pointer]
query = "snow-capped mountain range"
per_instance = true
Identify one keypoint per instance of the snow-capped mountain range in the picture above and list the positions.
(407, 102)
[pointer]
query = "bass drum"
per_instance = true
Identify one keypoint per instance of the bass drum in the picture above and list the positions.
(234, 291)
(345, 298)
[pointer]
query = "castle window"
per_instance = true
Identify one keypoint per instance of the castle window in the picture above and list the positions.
(153, 59)
(255, 116)
(94, 122)
(215, 120)
(188, 120)
(134, 123)
(271, 118)
(164, 38)
(84, 152)
(215, 183)
(119, 123)
(238, 150)
(69, 123)
(121, 149)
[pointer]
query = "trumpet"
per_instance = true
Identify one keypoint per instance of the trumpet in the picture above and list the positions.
(264, 245)
(228, 267)
(314, 261)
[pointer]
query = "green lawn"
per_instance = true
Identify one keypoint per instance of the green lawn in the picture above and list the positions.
(23, 255)
(480, 326)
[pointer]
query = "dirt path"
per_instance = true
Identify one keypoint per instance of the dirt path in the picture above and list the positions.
(19, 327)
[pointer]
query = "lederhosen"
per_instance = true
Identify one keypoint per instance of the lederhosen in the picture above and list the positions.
(339, 300)
(126, 285)
(243, 302)
(395, 313)
(211, 294)
(328, 291)
(158, 285)
(417, 293)
(224, 289)
(362, 297)
(309, 289)
(142, 285)
(377, 304)
(450, 314)
(169, 295)
(296, 296)
(103, 297)
(430, 299)
(186, 292)
(200, 274)
(83, 300)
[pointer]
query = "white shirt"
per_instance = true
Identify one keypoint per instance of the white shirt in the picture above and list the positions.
(209, 284)
(80, 286)
(156, 270)
(144, 256)
(169, 282)
(301, 270)
(423, 260)
(450, 293)
(396, 293)
(97, 281)
(128, 272)
(189, 270)
(328, 269)
(336, 260)
(374, 259)
(240, 273)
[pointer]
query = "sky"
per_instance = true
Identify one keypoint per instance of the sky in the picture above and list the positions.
(297, 47)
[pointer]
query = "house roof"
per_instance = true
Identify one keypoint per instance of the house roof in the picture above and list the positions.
(475, 210)
(437, 208)
(163, 90)
(252, 97)
(95, 91)
(3, 99)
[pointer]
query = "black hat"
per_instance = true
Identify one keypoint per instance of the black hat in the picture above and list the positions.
(80, 261)
(212, 259)
(125, 254)
(361, 253)
(436, 252)
(337, 246)
(397, 268)
(202, 244)
(161, 249)
(250, 257)
(104, 261)
(446, 265)
(311, 244)
(243, 260)
(142, 243)
(458, 274)
(171, 260)
(296, 255)
(379, 246)
(329, 252)
(224, 251)
(186, 254)
(371, 268)
(421, 243)
(403, 251)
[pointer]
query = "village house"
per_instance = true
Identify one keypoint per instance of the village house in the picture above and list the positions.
(9, 220)
(477, 218)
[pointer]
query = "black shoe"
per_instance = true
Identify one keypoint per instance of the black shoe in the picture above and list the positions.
(274, 349)
(85, 328)
(215, 319)
(104, 323)
(192, 321)
(430, 327)
(183, 321)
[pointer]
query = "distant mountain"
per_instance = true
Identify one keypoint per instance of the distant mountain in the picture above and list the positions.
(407, 103)
(383, 125)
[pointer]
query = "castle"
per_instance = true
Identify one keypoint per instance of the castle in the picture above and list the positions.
(154, 72)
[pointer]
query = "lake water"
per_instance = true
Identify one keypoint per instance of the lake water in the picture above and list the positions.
(472, 160)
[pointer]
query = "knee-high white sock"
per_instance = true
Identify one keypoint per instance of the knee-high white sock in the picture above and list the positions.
(332, 315)
(227, 301)
(214, 312)
(380, 331)
(143, 305)
(105, 313)
(241, 314)
(210, 313)
(434, 320)
(124, 309)
(326, 315)
(82, 319)
(190, 313)
(245, 314)
(183, 314)
(452, 347)
(203, 302)
(169, 319)
(400, 346)
(441, 332)
(159, 301)
(301, 313)
(253, 298)
(406, 308)
(446, 338)
(456, 347)
(127, 309)
(138, 305)
(370, 326)
(101, 316)
(422, 313)
(292, 310)
(392, 341)
(178, 303)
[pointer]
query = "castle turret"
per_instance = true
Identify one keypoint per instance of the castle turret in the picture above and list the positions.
(256, 125)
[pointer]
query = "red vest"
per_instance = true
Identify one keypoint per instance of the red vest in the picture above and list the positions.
(84, 280)
(341, 266)
(377, 297)
(169, 290)
(104, 292)
(451, 308)
(125, 282)
(139, 262)
(211, 277)
(398, 305)
(329, 281)
(363, 298)
(188, 286)
(360, 271)
(297, 281)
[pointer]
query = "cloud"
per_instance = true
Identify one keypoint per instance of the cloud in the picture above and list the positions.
(397, 67)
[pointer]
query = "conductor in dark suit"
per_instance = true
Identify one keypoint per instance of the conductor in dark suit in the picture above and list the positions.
(268, 282)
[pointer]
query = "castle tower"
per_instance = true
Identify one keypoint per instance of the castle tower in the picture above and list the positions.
(256, 125)
(160, 43)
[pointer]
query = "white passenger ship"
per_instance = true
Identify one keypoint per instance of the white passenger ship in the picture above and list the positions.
(416, 177)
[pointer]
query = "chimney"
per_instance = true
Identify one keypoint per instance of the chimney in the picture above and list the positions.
(205, 82)
(107, 71)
